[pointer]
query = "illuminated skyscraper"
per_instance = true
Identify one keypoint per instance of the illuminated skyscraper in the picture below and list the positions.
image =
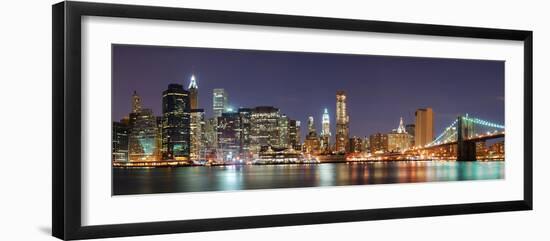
(245, 115)
(143, 136)
(219, 102)
(229, 137)
(136, 102)
(310, 125)
(398, 140)
(410, 130)
(264, 128)
(284, 141)
(176, 118)
(197, 134)
(294, 134)
(356, 144)
(120, 142)
(342, 123)
(193, 93)
(378, 143)
(325, 131)
(424, 127)
(312, 145)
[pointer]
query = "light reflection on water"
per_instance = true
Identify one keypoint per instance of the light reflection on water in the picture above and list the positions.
(223, 178)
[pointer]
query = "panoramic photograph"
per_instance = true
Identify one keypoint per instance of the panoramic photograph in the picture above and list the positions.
(188, 119)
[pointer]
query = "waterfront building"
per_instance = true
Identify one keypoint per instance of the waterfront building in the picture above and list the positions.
(119, 142)
(325, 132)
(481, 149)
(378, 143)
(284, 134)
(342, 123)
(143, 136)
(264, 128)
(229, 137)
(245, 115)
(497, 149)
(219, 102)
(294, 134)
(193, 93)
(424, 127)
(366, 144)
(176, 120)
(398, 140)
(197, 137)
(355, 144)
(312, 144)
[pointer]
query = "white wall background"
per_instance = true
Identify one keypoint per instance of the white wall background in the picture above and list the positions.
(25, 104)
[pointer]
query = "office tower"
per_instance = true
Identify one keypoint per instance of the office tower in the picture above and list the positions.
(136, 102)
(120, 142)
(143, 134)
(245, 115)
(193, 93)
(264, 128)
(284, 141)
(378, 143)
(229, 137)
(197, 136)
(210, 133)
(219, 102)
(424, 127)
(410, 130)
(355, 144)
(325, 131)
(342, 123)
(398, 140)
(312, 144)
(310, 125)
(294, 134)
(298, 133)
(176, 133)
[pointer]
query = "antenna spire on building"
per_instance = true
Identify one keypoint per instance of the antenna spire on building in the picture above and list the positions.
(193, 84)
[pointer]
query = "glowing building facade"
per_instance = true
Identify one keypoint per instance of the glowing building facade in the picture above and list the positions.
(120, 142)
(424, 127)
(398, 140)
(196, 129)
(219, 102)
(325, 132)
(193, 93)
(143, 136)
(176, 120)
(342, 123)
(264, 128)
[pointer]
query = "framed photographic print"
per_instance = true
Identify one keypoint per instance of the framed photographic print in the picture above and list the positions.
(170, 120)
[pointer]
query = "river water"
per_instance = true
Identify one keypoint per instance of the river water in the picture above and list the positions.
(224, 178)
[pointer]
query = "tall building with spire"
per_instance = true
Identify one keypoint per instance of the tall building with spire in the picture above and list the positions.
(194, 93)
(325, 132)
(398, 139)
(342, 123)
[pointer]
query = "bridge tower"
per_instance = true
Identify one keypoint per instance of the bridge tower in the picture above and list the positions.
(466, 150)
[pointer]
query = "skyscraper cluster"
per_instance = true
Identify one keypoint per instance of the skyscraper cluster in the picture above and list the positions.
(183, 133)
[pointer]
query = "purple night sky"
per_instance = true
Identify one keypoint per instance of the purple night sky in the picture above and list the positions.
(379, 89)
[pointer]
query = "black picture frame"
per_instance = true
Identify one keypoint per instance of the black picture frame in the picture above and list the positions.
(66, 159)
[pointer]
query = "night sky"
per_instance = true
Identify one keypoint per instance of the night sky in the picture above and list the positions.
(379, 89)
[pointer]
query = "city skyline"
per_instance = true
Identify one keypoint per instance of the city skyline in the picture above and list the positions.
(369, 112)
